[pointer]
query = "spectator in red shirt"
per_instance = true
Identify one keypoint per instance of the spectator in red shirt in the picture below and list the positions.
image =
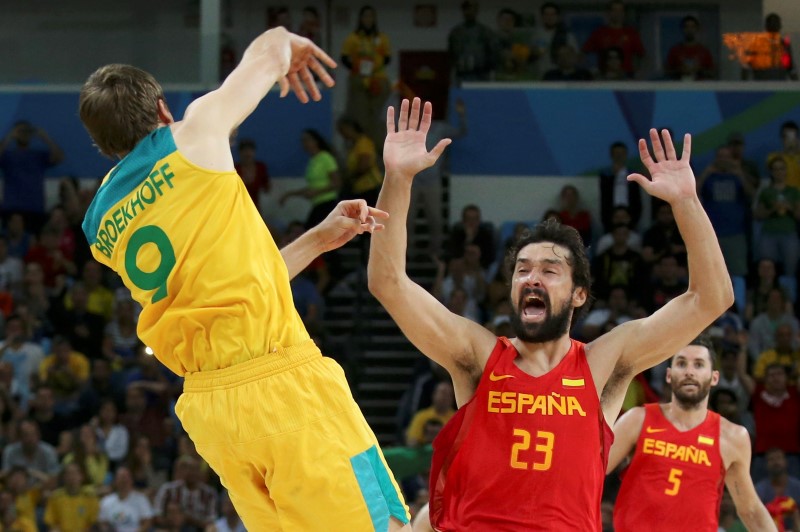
(573, 215)
(690, 60)
(47, 253)
(253, 172)
(615, 34)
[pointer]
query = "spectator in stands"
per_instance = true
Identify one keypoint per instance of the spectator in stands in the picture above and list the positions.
(66, 236)
(48, 255)
(618, 266)
(322, 178)
(666, 284)
(776, 410)
(253, 172)
(19, 239)
(307, 299)
(73, 506)
(50, 421)
(733, 359)
(31, 453)
(724, 192)
(567, 68)
(764, 325)
(229, 520)
(33, 304)
(472, 46)
(472, 230)
(723, 402)
(426, 191)
(103, 384)
(112, 436)
(663, 237)
(26, 487)
(65, 371)
(75, 201)
(83, 327)
(620, 216)
(125, 510)
(750, 169)
(24, 357)
(615, 34)
(121, 342)
(146, 477)
(366, 52)
(362, 178)
(463, 274)
(9, 518)
(197, 500)
(790, 152)
(784, 352)
(310, 25)
(8, 410)
(769, 56)
(780, 489)
(11, 269)
(513, 48)
(616, 190)
(101, 299)
(613, 68)
(614, 312)
(146, 419)
(778, 208)
(89, 455)
(573, 214)
(690, 60)
(758, 291)
(549, 37)
(23, 166)
(441, 410)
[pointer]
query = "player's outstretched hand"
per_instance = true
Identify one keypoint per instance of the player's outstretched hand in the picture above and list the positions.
(307, 57)
(404, 151)
(348, 219)
(671, 178)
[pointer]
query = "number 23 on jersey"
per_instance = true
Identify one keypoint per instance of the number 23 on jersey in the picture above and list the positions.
(540, 457)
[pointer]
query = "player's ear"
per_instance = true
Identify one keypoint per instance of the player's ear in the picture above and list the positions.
(714, 377)
(669, 375)
(579, 297)
(164, 115)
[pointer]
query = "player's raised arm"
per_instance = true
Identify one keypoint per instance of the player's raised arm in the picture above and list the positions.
(735, 447)
(641, 344)
(626, 433)
(275, 56)
(447, 338)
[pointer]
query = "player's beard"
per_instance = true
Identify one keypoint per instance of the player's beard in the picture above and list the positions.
(553, 327)
(690, 400)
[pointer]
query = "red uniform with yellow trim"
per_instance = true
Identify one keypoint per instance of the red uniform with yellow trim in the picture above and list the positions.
(525, 453)
(675, 480)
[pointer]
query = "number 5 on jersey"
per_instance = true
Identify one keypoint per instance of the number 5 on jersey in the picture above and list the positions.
(543, 448)
(156, 279)
(675, 481)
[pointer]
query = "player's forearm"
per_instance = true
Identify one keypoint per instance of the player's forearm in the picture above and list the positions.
(299, 254)
(387, 255)
(704, 257)
(757, 518)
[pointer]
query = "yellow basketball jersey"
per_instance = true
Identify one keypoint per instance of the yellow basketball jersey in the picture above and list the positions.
(195, 253)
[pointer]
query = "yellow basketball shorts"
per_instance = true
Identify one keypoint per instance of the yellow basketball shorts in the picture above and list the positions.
(290, 444)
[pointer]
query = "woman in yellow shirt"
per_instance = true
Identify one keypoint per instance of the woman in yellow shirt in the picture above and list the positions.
(366, 52)
(363, 178)
(88, 455)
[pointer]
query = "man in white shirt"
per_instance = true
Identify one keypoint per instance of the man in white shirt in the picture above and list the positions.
(125, 510)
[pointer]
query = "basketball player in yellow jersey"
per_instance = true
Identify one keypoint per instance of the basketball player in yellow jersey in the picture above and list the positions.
(272, 417)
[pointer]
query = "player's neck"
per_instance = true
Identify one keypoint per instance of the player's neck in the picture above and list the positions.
(684, 417)
(538, 358)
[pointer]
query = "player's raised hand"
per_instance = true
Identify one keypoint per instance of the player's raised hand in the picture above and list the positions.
(306, 58)
(671, 178)
(404, 151)
(348, 219)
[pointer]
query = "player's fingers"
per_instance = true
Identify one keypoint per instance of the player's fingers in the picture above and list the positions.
(390, 120)
(644, 154)
(402, 123)
(670, 148)
(658, 149)
(283, 83)
(642, 180)
(320, 54)
(437, 150)
(427, 116)
(308, 80)
(413, 119)
(687, 148)
(320, 71)
(297, 87)
(377, 213)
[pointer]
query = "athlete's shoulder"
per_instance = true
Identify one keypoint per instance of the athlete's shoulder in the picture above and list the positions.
(733, 433)
(632, 420)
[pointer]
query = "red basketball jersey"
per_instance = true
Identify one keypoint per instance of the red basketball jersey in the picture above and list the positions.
(675, 479)
(525, 453)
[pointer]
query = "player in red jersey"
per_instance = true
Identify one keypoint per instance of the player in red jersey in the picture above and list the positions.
(683, 452)
(527, 449)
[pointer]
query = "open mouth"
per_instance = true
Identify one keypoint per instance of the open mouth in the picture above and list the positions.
(534, 307)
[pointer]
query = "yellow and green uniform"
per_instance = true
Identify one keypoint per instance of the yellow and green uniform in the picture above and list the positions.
(269, 414)
(72, 513)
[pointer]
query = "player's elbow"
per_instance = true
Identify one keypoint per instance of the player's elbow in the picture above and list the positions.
(382, 282)
(715, 300)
